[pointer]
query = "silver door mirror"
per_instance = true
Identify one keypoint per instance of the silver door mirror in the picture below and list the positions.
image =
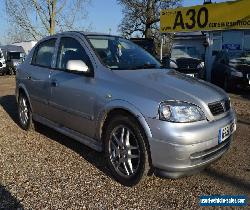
(77, 65)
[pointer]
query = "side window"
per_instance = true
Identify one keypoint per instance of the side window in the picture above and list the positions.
(44, 53)
(71, 49)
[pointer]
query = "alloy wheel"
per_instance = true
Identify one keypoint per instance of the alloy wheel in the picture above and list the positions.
(124, 151)
(23, 111)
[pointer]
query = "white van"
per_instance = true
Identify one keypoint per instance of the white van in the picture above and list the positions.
(2, 63)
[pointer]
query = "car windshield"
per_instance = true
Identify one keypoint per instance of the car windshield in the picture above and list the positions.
(121, 54)
(239, 57)
(185, 52)
(14, 55)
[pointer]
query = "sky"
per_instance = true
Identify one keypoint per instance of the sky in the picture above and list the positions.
(103, 15)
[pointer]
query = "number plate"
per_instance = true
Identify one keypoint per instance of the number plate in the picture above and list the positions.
(226, 132)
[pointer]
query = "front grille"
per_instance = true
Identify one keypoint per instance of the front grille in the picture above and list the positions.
(187, 63)
(187, 66)
(219, 107)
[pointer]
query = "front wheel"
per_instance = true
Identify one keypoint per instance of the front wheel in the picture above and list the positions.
(24, 113)
(126, 150)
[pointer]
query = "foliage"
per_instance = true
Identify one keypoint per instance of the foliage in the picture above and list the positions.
(141, 17)
(34, 19)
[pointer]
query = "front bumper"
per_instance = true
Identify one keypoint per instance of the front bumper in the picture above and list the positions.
(179, 149)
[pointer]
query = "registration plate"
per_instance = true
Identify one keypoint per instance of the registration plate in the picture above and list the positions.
(226, 132)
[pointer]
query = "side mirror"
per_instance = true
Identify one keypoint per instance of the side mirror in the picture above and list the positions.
(77, 66)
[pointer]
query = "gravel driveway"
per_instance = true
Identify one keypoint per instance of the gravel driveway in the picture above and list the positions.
(44, 169)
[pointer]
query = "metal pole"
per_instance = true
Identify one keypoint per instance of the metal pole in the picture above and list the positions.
(161, 50)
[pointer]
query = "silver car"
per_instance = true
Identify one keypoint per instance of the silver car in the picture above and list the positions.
(113, 96)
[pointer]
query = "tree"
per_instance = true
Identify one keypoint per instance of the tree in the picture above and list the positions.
(38, 18)
(141, 17)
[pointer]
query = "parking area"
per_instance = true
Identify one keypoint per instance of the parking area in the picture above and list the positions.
(45, 169)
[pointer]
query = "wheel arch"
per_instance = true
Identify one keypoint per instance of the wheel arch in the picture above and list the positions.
(123, 107)
(118, 107)
(22, 90)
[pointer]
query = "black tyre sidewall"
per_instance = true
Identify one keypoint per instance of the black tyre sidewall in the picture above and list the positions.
(130, 123)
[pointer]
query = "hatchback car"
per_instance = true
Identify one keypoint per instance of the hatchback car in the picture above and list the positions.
(113, 96)
(231, 70)
(187, 60)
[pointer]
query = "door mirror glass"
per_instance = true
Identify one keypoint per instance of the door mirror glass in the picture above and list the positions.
(77, 65)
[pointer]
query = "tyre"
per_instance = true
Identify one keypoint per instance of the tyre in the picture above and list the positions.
(126, 150)
(24, 113)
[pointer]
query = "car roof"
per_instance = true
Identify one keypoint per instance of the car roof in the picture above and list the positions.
(12, 48)
(67, 33)
(84, 33)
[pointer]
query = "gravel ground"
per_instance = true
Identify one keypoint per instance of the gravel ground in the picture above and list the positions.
(43, 169)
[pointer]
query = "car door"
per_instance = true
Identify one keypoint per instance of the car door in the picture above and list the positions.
(38, 76)
(73, 94)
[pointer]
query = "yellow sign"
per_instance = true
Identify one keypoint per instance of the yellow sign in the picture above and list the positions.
(209, 17)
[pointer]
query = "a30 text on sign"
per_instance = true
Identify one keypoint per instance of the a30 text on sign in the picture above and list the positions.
(222, 16)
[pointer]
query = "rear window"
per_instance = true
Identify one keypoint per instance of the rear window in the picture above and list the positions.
(44, 53)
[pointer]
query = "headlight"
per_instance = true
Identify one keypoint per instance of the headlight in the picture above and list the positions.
(201, 65)
(173, 65)
(236, 73)
(180, 112)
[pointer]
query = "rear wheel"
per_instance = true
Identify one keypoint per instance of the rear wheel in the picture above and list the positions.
(24, 113)
(126, 150)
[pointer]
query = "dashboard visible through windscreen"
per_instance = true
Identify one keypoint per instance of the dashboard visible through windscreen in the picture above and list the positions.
(121, 54)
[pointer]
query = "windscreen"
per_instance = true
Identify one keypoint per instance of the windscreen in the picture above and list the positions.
(14, 55)
(239, 57)
(185, 52)
(121, 54)
(179, 52)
